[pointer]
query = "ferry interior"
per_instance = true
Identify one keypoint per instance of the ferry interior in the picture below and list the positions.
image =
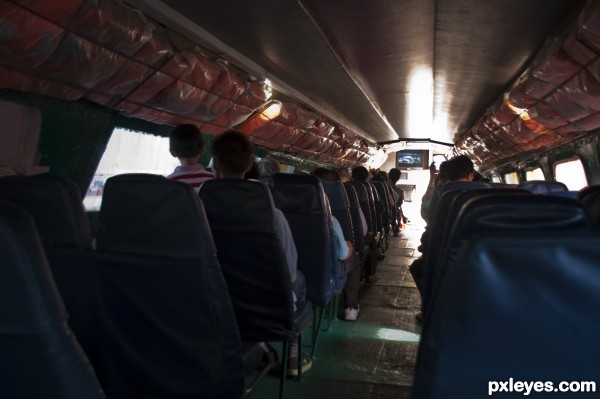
(102, 296)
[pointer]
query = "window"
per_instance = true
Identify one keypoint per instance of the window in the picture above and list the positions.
(511, 178)
(129, 151)
(571, 172)
(496, 179)
(534, 174)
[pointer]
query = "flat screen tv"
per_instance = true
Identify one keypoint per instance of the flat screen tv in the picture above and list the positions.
(411, 159)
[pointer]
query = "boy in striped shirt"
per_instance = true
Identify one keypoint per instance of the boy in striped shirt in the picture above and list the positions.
(187, 145)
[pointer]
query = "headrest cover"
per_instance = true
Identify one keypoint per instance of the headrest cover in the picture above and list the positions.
(298, 193)
(253, 199)
(520, 212)
(543, 186)
(150, 215)
(55, 204)
(338, 199)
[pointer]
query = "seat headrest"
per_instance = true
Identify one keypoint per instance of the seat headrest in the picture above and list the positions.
(352, 196)
(543, 186)
(520, 212)
(237, 204)
(30, 298)
(146, 214)
(338, 199)
(298, 193)
(56, 206)
(464, 185)
(360, 189)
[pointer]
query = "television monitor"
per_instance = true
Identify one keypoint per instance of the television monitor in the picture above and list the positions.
(411, 159)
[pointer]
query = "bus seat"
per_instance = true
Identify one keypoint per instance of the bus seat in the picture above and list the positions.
(340, 207)
(302, 199)
(359, 234)
(56, 206)
(242, 221)
(386, 220)
(501, 212)
(164, 319)
(590, 198)
(513, 305)
(433, 238)
(378, 208)
(543, 186)
(365, 205)
(57, 209)
(40, 355)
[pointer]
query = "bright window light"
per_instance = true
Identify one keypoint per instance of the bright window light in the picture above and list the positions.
(129, 151)
(534, 174)
(511, 178)
(571, 172)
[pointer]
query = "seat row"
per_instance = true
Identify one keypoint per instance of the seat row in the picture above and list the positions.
(510, 277)
(179, 294)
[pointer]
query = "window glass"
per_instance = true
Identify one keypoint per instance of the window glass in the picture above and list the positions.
(496, 179)
(571, 172)
(129, 151)
(535, 174)
(511, 178)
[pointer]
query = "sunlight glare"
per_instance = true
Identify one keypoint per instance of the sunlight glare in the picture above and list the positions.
(397, 335)
(420, 103)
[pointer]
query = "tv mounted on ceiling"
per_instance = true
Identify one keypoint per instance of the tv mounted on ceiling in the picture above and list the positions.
(412, 159)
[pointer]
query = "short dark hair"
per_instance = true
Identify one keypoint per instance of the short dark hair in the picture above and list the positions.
(326, 174)
(186, 141)
(459, 167)
(234, 150)
(360, 173)
(394, 174)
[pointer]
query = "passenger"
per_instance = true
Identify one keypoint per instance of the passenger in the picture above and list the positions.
(186, 144)
(398, 193)
(343, 251)
(233, 154)
(344, 174)
(436, 181)
(458, 168)
(360, 173)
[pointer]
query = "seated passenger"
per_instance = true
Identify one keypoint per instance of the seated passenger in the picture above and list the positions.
(186, 144)
(343, 250)
(458, 168)
(233, 155)
(398, 193)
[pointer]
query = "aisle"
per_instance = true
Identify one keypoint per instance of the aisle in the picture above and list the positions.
(375, 356)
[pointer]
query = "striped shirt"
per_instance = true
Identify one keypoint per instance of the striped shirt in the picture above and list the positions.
(194, 175)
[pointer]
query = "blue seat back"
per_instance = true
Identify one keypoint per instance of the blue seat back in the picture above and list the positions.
(359, 234)
(242, 220)
(302, 199)
(40, 355)
(165, 322)
(513, 305)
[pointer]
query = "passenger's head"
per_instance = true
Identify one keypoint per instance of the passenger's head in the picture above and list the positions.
(186, 142)
(326, 174)
(344, 174)
(460, 168)
(394, 175)
(360, 173)
(233, 155)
